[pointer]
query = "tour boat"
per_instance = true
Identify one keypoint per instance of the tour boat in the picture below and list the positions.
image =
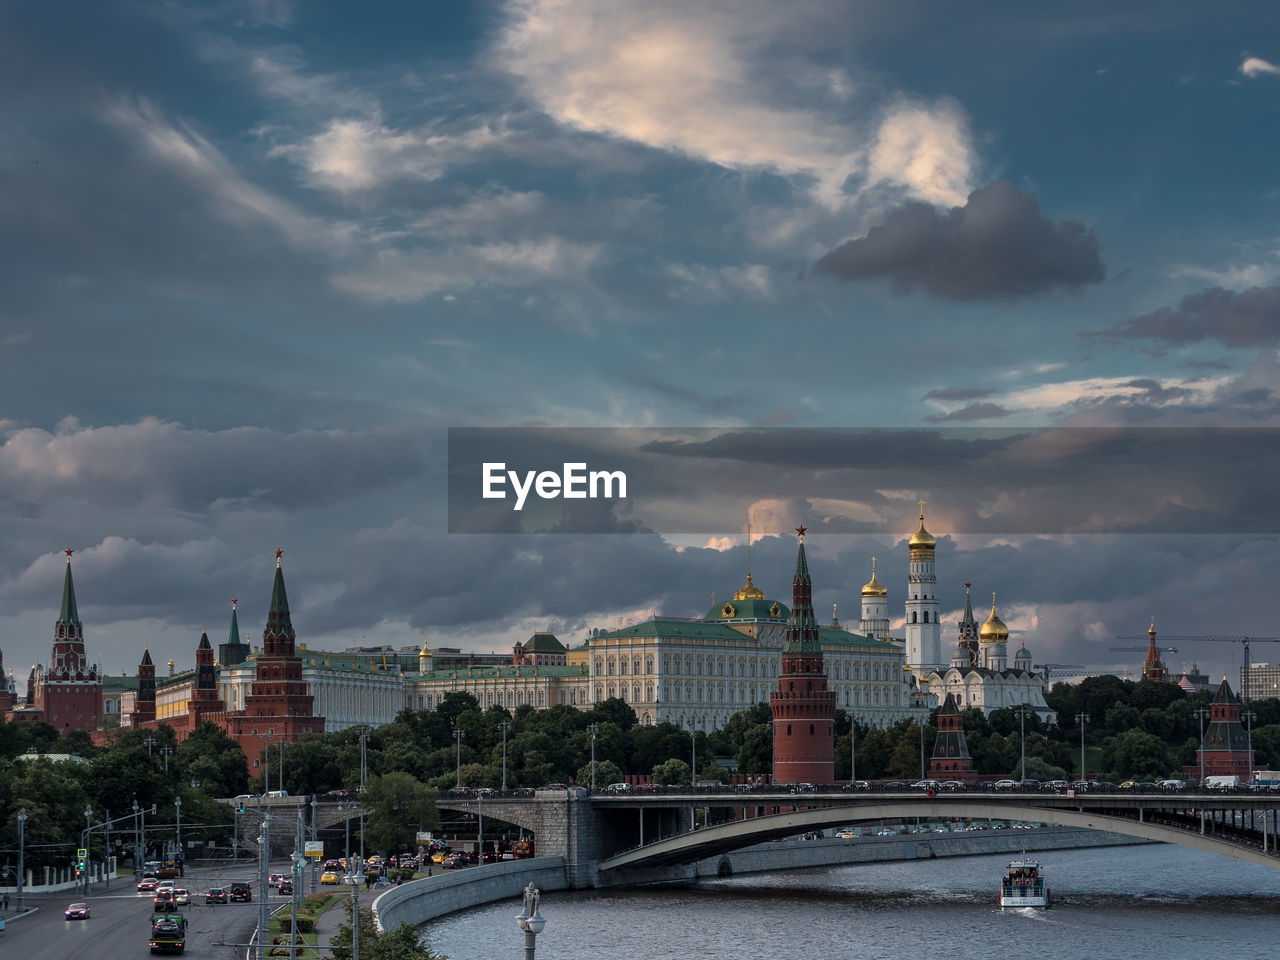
(1023, 886)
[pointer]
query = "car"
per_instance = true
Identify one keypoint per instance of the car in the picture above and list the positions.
(554, 786)
(953, 786)
(1006, 784)
(285, 888)
(858, 785)
(440, 855)
(275, 879)
(926, 785)
(886, 832)
(846, 835)
(332, 865)
(148, 883)
(216, 895)
(164, 901)
(455, 860)
(329, 877)
(182, 896)
(77, 911)
(241, 892)
(166, 884)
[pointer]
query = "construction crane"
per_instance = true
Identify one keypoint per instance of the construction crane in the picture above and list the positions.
(1139, 649)
(1044, 668)
(1221, 638)
(1075, 669)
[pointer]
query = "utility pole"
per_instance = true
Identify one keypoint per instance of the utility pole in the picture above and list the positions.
(1022, 737)
(266, 764)
(853, 753)
(1250, 716)
(177, 832)
(693, 769)
(1202, 713)
(364, 770)
(137, 844)
(1082, 719)
(355, 877)
(922, 751)
(280, 776)
(22, 846)
(505, 725)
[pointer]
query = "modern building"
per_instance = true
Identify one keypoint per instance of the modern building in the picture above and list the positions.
(1260, 681)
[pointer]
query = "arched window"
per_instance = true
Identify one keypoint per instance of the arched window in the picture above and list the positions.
(788, 729)
(913, 616)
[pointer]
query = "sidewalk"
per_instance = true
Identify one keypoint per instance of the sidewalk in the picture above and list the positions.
(328, 924)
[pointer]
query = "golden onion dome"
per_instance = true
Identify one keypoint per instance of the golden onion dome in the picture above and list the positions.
(994, 630)
(749, 591)
(922, 539)
(874, 588)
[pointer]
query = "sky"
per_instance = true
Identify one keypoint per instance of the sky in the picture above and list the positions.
(258, 258)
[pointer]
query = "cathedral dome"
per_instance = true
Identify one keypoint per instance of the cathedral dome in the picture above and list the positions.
(922, 539)
(749, 591)
(874, 588)
(994, 629)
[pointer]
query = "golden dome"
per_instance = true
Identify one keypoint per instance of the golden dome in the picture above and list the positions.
(749, 591)
(994, 630)
(874, 588)
(922, 539)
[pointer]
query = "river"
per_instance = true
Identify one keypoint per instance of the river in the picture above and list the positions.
(1160, 901)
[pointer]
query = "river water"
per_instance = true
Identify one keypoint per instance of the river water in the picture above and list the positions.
(1166, 902)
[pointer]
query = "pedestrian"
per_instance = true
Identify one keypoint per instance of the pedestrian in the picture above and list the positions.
(6, 901)
(428, 874)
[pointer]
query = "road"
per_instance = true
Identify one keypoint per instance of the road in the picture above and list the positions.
(120, 924)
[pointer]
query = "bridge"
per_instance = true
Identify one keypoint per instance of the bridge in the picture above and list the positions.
(608, 839)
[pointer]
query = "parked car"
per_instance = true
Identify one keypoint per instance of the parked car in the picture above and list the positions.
(241, 892)
(953, 786)
(77, 911)
(926, 785)
(216, 895)
(148, 883)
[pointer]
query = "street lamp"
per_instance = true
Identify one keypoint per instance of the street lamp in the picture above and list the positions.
(592, 730)
(1202, 713)
(88, 826)
(853, 753)
(530, 920)
(1022, 737)
(458, 735)
(22, 840)
(177, 834)
(1250, 716)
(264, 858)
(355, 878)
(505, 725)
(166, 752)
(137, 843)
(1082, 719)
(922, 751)
(693, 768)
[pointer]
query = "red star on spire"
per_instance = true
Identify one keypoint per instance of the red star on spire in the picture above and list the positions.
(233, 603)
(800, 531)
(68, 552)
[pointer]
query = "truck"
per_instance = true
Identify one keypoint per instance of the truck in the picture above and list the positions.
(168, 933)
(1268, 780)
(168, 871)
(1222, 782)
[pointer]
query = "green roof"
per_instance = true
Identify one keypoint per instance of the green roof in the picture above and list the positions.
(68, 614)
(835, 637)
(498, 673)
(543, 642)
(685, 629)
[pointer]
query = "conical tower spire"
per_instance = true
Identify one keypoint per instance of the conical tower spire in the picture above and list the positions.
(802, 627)
(234, 635)
(278, 636)
(68, 615)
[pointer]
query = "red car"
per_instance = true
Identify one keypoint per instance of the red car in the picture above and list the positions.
(77, 911)
(148, 883)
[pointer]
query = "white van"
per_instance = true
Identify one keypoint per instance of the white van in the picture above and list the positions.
(618, 788)
(277, 794)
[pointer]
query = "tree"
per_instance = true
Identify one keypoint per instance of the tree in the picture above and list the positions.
(607, 772)
(615, 711)
(672, 771)
(398, 944)
(1136, 755)
(755, 758)
(399, 805)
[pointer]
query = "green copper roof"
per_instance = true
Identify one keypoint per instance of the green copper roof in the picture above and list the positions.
(279, 622)
(69, 614)
(835, 637)
(234, 635)
(542, 642)
(802, 564)
(683, 629)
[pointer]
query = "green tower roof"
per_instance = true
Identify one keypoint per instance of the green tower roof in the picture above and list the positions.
(69, 614)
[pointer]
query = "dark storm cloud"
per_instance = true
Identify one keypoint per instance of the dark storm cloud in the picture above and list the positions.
(997, 246)
(974, 411)
(1247, 319)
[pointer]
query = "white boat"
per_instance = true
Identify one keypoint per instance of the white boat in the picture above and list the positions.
(1023, 886)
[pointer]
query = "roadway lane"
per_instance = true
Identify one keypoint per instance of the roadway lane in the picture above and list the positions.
(120, 925)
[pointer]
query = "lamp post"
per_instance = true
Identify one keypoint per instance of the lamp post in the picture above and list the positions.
(137, 844)
(355, 878)
(592, 730)
(853, 754)
(505, 725)
(264, 857)
(1082, 719)
(458, 735)
(22, 841)
(530, 920)
(177, 834)
(693, 764)
(1202, 713)
(1022, 738)
(88, 827)
(922, 751)
(1250, 716)
(266, 763)
(166, 752)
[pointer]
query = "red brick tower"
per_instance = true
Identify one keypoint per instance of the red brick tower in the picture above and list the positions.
(951, 760)
(204, 693)
(803, 708)
(144, 708)
(70, 691)
(277, 705)
(1225, 748)
(1154, 668)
